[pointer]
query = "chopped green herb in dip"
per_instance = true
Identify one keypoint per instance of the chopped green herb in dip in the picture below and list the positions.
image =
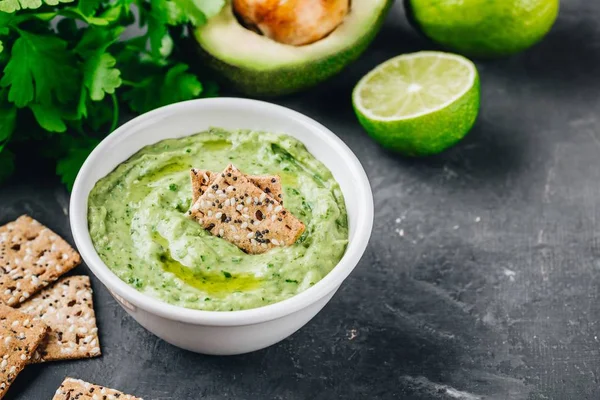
(139, 227)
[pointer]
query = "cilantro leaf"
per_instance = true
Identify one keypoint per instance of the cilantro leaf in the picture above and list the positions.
(68, 166)
(100, 76)
(180, 85)
(10, 6)
(49, 117)
(7, 164)
(164, 88)
(41, 69)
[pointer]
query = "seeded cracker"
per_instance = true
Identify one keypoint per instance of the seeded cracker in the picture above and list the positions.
(243, 214)
(67, 308)
(19, 337)
(201, 179)
(31, 257)
(72, 389)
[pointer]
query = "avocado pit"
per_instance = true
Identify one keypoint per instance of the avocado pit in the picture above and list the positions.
(292, 22)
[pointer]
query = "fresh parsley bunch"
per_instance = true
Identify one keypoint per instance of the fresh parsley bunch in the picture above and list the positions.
(68, 72)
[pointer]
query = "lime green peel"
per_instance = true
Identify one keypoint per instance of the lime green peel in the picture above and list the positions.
(419, 104)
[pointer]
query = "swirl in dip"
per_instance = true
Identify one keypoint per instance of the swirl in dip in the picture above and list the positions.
(139, 227)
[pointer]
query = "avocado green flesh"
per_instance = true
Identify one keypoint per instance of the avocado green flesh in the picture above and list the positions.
(139, 227)
(257, 65)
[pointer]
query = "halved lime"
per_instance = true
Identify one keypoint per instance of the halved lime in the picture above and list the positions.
(419, 104)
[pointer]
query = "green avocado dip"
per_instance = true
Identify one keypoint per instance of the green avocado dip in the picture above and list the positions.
(139, 227)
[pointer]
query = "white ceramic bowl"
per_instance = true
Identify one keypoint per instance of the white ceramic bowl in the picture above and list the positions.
(234, 332)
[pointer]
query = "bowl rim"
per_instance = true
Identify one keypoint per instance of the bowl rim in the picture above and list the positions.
(152, 305)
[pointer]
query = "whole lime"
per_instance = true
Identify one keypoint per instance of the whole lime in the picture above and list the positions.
(419, 104)
(484, 28)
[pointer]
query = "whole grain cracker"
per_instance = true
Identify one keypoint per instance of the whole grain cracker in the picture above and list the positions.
(67, 308)
(72, 389)
(237, 210)
(31, 257)
(20, 335)
(201, 179)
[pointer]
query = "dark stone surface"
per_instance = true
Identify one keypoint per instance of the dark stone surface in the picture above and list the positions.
(482, 277)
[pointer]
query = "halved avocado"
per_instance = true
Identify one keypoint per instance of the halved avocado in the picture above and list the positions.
(258, 66)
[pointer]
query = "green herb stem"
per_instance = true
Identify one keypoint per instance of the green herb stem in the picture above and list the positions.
(115, 118)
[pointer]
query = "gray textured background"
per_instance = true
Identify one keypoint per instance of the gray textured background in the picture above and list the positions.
(482, 277)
